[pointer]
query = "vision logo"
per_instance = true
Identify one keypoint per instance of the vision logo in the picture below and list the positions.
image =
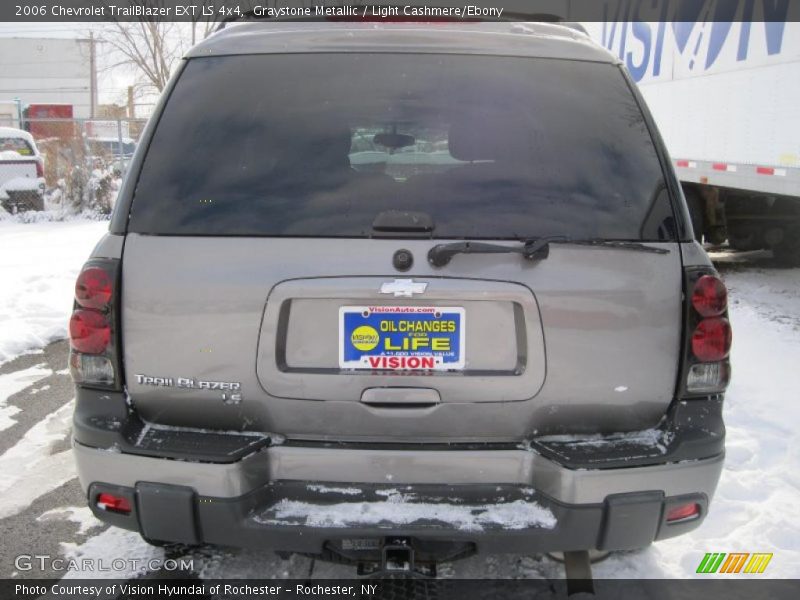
(734, 562)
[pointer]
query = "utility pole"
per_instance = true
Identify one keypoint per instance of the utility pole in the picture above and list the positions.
(19, 112)
(92, 76)
(131, 107)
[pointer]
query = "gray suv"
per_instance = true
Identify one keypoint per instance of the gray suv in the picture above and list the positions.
(395, 295)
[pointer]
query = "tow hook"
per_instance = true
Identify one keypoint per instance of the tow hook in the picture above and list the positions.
(397, 560)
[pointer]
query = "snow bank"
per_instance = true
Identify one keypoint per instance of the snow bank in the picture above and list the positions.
(38, 266)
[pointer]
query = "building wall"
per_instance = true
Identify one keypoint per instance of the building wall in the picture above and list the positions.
(47, 71)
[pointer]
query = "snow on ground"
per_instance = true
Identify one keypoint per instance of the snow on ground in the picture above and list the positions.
(29, 470)
(80, 515)
(39, 263)
(12, 383)
(127, 547)
(519, 514)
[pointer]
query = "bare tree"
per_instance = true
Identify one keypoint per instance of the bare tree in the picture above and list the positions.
(203, 27)
(152, 49)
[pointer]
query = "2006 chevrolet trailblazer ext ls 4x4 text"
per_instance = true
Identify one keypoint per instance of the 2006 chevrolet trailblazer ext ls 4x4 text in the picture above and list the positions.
(396, 295)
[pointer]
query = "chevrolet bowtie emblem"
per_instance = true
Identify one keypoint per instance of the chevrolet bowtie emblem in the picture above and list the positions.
(404, 288)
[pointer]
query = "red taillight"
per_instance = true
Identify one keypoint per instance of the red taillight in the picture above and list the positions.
(113, 503)
(683, 512)
(711, 340)
(40, 168)
(89, 331)
(94, 360)
(709, 297)
(93, 288)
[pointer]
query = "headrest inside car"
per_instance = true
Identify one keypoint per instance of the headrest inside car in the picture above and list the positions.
(498, 138)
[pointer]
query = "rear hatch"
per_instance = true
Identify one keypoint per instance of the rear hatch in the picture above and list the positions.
(276, 273)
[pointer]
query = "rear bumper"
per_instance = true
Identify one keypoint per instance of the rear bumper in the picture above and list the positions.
(307, 517)
(249, 491)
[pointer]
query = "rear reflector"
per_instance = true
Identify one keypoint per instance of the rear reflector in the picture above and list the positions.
(113, 503)
(711, 340)
(708, 377)
(709, 297)
(89, 332)
(683, 512)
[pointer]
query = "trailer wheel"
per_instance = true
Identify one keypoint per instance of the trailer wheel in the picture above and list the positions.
(695, 205)
(743, 241)
(788, 251)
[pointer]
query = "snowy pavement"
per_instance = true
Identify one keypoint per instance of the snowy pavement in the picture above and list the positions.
(41, 507)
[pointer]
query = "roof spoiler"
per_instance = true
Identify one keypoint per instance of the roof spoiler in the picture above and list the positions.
(508, 16)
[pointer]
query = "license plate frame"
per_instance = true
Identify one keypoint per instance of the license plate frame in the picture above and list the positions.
(438, 348)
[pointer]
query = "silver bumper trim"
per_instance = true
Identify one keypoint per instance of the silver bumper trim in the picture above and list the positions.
(398, 467)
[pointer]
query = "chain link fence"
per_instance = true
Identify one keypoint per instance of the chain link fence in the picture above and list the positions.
(79, 169)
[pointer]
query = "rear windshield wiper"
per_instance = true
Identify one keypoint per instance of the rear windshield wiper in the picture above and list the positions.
(618, 244)
(532, 249)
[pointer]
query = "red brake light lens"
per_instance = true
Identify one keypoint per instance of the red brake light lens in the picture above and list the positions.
(89, 332)
(113, 503)
(683, 512)
(93, 288)
(40, 168)
(710, 297)
(711, 340)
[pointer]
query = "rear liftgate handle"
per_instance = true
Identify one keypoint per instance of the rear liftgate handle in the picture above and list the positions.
(400, 397)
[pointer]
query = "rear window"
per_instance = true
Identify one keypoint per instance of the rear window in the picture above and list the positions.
(18, 145)
(321, 144)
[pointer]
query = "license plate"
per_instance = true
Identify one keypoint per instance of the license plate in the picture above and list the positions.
(397, 338)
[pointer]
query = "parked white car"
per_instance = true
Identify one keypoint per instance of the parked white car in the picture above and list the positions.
(22, 180)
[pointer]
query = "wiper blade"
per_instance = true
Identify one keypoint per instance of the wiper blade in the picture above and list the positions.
(618, 244)
(532, 249)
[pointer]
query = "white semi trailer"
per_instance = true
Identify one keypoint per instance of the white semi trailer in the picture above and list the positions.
(726, 98)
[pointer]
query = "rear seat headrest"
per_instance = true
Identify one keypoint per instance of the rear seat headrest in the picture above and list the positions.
(491, 137)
